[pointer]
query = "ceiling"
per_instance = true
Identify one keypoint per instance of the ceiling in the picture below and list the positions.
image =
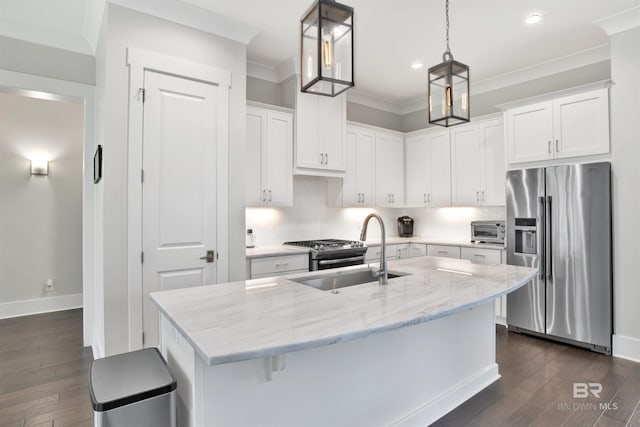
(488, 35)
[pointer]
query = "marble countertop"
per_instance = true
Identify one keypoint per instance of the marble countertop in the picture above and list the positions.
(265, 317)
(274, 250)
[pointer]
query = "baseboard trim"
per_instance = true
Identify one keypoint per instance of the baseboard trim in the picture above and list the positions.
(40, 305)
(96, 347)
(626, 347)
(455, 396)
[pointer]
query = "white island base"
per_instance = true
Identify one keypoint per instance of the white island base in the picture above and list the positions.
(409, 376)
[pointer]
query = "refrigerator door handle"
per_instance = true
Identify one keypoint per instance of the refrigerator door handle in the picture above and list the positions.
(542, 213)
(549, 239)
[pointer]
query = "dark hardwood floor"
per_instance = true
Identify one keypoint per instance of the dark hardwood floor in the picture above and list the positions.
(536, 388)
(43, 381)
(43, 371)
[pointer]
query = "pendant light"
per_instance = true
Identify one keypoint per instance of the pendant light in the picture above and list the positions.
(326, 48)
(448, 89)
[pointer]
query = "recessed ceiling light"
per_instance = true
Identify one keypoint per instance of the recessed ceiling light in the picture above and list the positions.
(533, 18)
(417, 65)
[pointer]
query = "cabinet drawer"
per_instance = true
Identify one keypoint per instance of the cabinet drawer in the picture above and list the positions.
(279, 265)
(443, 251)
(373, 253)
(485, 256)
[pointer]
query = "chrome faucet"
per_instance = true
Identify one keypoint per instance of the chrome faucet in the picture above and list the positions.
(382, 274)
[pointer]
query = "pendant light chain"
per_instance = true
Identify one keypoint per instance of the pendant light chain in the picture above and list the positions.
(447, 21)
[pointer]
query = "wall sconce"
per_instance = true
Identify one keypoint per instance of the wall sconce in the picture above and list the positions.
(39, 167)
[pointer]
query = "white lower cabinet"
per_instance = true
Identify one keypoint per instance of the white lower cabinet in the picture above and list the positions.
(479, 255)
(374, 252)
(277, 265)
(489, 256)
(443, 251)
(411, 250)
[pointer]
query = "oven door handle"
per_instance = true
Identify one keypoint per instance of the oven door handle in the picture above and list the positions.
(340, 260)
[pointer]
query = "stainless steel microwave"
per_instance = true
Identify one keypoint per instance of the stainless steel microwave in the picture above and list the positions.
(487, 231)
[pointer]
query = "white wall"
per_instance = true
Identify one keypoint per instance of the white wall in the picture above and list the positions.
(40, 216)
(125, 28)
(311, 217)
(625, 143)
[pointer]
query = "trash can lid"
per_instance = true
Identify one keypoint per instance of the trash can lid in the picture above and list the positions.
(127, 378)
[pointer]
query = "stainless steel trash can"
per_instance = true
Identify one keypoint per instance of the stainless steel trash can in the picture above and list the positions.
(132, 389)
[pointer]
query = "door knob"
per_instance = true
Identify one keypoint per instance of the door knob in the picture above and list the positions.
(209, 256)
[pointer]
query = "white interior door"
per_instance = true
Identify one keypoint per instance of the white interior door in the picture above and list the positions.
(179, 190)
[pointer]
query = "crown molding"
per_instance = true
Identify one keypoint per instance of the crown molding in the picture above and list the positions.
(357, 97)
(544, 69)
(194, 17)
(569, 62)
(261, 71)
(41, 36)
(620, 22)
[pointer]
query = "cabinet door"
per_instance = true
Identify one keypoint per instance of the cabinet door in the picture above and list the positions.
(256, 133)
(350, 191)
(494, 166)
(365, 167)
(581, 124)
(389, 169)
(332, 119)
(418, 170)
(277, 159)
(466, 162)
(439, 164)
(359, 180)
(307, 138)
(529, 133)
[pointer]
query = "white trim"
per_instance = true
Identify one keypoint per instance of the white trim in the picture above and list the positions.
(620, 22)
(194, 17)
(96, 347)
(602, 84)
(455, 396)
(544, 69)
(270, 107)
(53, 89)
(42, 36)
(262, 72)
(626, 347)
(40, 305)
(139, 61)
(357, 97)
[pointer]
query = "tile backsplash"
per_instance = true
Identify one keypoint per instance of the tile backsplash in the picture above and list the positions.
(311, 217)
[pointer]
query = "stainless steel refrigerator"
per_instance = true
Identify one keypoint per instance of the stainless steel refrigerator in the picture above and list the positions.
(559, 221)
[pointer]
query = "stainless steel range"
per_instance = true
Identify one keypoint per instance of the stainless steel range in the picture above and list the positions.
(332, 253)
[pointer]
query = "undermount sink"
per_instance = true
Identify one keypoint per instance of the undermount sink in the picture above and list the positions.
(341, 279)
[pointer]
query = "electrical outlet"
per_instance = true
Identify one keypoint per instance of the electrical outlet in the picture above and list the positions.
(49, 286)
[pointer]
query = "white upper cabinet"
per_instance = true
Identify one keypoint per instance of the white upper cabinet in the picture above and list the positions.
(389, 169)
(478, 164)
(571, 126)
(320, 135)
(359, 180)
(269, 177)
(428, 172)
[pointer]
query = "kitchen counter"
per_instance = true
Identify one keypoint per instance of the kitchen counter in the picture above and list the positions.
(273, 352)
(278, 250)
(266, 317)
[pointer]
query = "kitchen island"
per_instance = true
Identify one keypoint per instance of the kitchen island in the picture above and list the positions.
(274, 352)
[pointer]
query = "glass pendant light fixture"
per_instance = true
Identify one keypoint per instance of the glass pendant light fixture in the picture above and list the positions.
(448, 89)
(326, 48)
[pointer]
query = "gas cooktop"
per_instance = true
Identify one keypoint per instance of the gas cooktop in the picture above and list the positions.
(327, 244)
